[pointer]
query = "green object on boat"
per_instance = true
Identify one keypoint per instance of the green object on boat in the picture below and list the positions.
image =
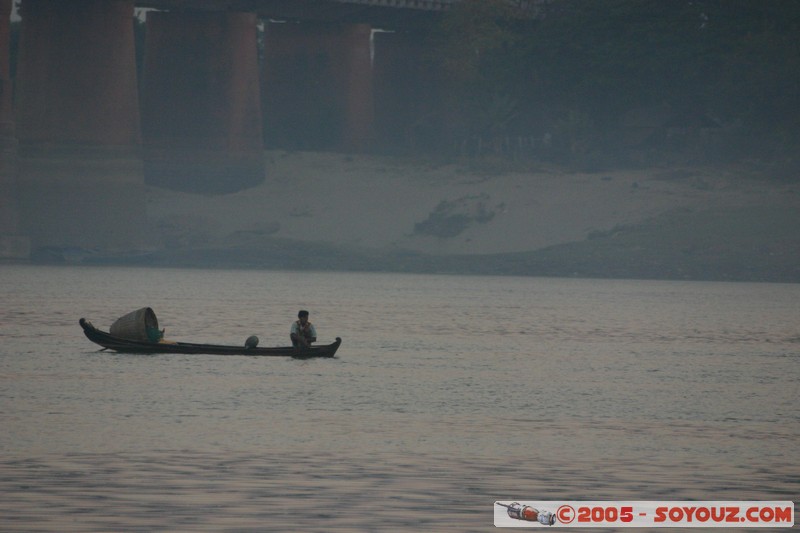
(154, 334)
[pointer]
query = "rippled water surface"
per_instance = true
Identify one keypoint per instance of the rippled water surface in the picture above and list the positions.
(448, 393)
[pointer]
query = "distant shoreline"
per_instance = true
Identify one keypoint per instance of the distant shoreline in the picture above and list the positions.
(327, 211)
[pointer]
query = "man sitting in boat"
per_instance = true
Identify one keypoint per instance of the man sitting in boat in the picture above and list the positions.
(303, 332)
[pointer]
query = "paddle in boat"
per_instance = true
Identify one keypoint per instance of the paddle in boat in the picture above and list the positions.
(138, 332)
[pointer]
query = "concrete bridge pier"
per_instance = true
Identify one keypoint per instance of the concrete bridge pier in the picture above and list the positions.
(12, 244)
(359, 120)
(80, 173)
(201, 109)
(318, 86)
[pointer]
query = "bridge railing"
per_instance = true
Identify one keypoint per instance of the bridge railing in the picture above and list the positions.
(439, 5)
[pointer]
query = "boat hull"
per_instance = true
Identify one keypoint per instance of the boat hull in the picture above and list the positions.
(118, 344)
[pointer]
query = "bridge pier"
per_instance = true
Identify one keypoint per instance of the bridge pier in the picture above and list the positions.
(12, 244)
(318, 86)
(80, 174)
(201, 109)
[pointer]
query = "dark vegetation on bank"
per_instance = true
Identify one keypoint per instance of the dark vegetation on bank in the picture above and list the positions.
(599, 85)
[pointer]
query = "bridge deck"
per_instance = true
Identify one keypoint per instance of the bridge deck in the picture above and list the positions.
(375, 12)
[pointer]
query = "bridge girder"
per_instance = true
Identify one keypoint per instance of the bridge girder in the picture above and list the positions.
(390, 14)
(386, 13)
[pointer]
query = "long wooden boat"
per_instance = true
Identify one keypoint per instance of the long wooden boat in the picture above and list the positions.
(119, 344)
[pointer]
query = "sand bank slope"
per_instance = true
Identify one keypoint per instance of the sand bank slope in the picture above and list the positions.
(353, 211)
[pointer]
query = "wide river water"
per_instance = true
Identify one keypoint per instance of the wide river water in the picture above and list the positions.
(447, 394)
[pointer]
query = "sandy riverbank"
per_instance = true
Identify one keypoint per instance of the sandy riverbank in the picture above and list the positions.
(321, 210)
